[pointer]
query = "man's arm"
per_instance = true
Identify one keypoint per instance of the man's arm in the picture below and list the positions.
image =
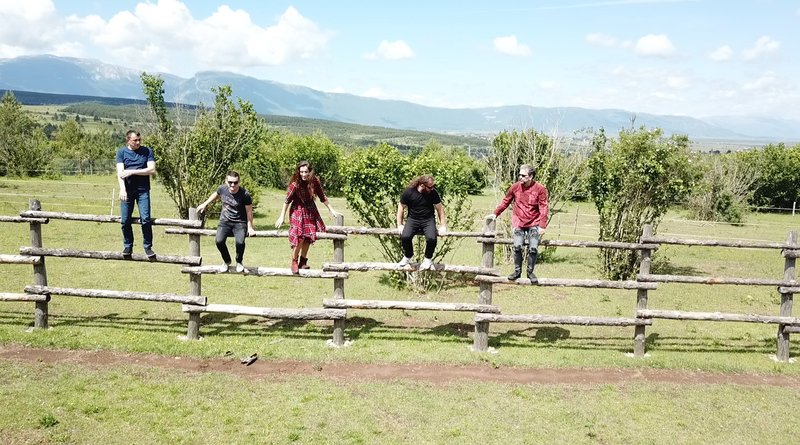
(442, 218)
(400, 210)
(544, 209)
(147, 171)
(251, 230)
(123, 192)
(202, 207)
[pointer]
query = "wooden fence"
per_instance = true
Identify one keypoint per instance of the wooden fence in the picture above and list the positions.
(486, 277)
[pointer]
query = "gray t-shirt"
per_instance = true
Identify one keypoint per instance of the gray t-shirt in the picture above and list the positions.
(234, 204)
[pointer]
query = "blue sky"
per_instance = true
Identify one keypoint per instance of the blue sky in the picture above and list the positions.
(685, 57)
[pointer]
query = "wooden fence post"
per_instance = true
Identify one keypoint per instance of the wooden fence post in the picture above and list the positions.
(39, 270)
(641, 294)
(481, 341)
(782, 353)
(195, 288)
(338, 286)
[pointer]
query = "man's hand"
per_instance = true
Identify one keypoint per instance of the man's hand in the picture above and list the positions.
(279, 222)
(442, 230)
(335, 214)
(251, 231)
(400, 228)
(490, 217)
(124, 174)
(123, 195)
(201, 208)
(540, 230)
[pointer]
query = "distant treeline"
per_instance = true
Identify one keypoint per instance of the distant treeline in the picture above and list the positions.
(345, 134)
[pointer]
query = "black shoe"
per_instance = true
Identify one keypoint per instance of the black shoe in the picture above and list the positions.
(516, 274)
(127, 252)
(149, 252)
(532, 277)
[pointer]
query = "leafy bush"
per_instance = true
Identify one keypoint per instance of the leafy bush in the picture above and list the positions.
(633, 181)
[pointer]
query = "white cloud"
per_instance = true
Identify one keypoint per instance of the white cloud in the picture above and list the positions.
(391, 51)
(510, 46)
(766, 82)
(654, 45)
(677, 82)
(30, 27)
(549, 85)
(166, 35)
(374, 92)
(597, 39)
(721, 54)
(763, 46)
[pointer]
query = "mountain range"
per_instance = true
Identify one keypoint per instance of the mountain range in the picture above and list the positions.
(86, 77)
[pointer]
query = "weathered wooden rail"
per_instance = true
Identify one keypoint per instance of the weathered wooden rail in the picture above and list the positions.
(485, 276)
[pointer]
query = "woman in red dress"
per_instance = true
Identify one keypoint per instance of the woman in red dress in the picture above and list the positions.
(304, 218)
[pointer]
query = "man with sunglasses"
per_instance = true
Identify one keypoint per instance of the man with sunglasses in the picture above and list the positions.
(422, 200)
(236, 218)
(528, 218)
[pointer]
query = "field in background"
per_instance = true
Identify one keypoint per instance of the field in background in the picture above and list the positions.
(71, 404)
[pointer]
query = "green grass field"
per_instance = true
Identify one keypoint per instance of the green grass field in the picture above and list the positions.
(137, 405)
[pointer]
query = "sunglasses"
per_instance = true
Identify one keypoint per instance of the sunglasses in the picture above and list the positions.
(523, 176)
(233, 182)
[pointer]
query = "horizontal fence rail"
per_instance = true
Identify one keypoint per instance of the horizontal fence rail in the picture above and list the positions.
(411, 267)
(562, 319)
(651, 278)
(716, 316)
(108, 255)
(123, 295)
(408, 305)
(108, 218)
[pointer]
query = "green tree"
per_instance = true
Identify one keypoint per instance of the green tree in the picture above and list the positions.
(722, 192)
(24, 149)
(375, 177)
(193, 155)
(633, 181)
(778, 170)
(560, 171)
(280, 151)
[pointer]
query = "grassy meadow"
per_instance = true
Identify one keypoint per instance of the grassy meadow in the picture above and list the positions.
(69, 404)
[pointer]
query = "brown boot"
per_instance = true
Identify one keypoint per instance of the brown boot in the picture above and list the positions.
(295, 266)
(304, 263)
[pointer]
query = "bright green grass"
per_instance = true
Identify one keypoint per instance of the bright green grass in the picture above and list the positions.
(389, 336)
(135, 405)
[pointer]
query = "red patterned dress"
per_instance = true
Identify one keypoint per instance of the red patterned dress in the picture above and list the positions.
(304, 218)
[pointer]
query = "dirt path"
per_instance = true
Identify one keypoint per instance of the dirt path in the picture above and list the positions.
(433, 373)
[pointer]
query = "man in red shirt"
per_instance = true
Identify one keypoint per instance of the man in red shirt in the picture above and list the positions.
(528, 219)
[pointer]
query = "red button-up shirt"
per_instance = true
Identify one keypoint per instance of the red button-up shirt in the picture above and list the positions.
(530, 205)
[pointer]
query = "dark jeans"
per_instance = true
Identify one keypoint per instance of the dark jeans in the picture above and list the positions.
(413, 227)
(142, 199)
(239, 232)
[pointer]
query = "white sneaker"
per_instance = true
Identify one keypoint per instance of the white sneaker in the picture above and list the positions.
(224, 267)
(239, 267)
(427, 264)
(404, 262)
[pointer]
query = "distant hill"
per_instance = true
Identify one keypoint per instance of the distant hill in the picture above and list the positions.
(82, 77)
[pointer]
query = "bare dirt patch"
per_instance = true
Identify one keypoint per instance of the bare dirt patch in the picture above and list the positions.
(432, 373)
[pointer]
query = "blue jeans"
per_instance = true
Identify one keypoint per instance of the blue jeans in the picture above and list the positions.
(529, 234)
(142, 199)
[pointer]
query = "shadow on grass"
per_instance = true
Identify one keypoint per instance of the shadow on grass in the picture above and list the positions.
(663, 266)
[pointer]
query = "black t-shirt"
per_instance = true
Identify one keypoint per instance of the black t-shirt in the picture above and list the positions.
(420, 205)
(234, 205)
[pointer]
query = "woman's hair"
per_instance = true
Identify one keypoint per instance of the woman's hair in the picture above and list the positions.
(423, 179)
(310, 180)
